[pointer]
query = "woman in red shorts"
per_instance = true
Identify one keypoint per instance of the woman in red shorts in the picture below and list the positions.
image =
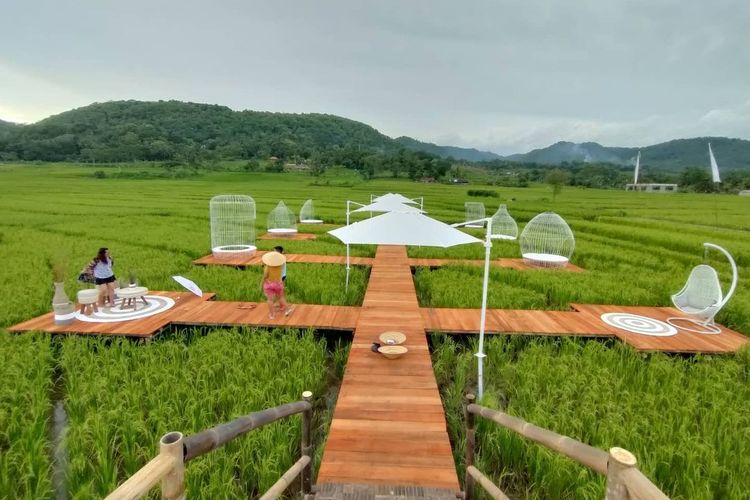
(273, 285)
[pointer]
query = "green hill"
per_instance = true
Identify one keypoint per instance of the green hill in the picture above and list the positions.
(136, 130)
(121, 131)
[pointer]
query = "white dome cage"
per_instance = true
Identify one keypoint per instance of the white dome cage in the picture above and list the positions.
(504, 227)
(547, 241)
(474, 211)
(307, 214)
(281, 220)
(232, 226)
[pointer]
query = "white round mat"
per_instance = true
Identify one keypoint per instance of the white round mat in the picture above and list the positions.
(156, 304)
(641, 325)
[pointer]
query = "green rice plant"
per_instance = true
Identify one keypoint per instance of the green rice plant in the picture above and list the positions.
(25, 409)
(122, 396)
(686, 419)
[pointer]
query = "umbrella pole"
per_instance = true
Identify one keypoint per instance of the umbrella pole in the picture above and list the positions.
(483, 318)
(346, 289)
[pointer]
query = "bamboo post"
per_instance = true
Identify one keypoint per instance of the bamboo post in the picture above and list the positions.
(173, 484)
(470, 447)
(620, 460)
(286, 479)
(307, 444)
(492, 490)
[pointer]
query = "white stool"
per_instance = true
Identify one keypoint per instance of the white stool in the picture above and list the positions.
(130, 296)
(88, 299)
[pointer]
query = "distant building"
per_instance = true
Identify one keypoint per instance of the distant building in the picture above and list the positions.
(746, 192)
(652, 188)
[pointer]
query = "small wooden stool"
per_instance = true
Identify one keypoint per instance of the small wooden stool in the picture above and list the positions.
(88, 299)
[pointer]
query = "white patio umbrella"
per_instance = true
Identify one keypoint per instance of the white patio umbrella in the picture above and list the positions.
(394, 228)
(190, 285)
(399, 198)
(388, 206)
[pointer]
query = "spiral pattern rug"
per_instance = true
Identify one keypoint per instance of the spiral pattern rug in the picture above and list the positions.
(641, 325)
(156, 304)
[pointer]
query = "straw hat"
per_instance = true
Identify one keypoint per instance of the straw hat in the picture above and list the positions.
(273, 259)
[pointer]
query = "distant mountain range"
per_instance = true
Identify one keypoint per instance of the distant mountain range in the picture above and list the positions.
(130, 130)
(465, 154)
(676, 154)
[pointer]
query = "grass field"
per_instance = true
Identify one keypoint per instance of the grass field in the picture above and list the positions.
(637, 249)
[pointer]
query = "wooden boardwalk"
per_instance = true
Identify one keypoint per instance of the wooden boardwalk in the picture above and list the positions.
(584, 320)
(293, 236)
(191, 310)
(517, 264)
(146, 327)
(210, 260)
(389, 426)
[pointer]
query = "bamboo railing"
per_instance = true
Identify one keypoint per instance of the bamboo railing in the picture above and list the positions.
(168, 467)
(624, 480)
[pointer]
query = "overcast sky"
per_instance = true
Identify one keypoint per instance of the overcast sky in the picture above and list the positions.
(505, 76)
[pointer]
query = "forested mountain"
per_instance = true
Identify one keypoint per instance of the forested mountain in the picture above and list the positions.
(466, 154)
(135, 130)
(122, 131)
(672, 155)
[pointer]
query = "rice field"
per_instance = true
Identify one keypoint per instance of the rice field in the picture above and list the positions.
(684, 417)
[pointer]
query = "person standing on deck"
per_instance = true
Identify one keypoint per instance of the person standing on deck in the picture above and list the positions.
(272, 284)
(101, 268)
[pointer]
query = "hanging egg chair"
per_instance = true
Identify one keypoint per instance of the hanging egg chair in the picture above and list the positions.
(702, 298)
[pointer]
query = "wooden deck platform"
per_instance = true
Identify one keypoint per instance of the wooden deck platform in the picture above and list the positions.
(584, 320)
(210, 260)
(146, 327)
(389, 427)
(292, 236)
(517, 264)
(192, 310)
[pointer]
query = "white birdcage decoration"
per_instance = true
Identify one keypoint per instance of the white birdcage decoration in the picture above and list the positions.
(547, 241)
(474, 211)
(281, 220)
(504, 227)
(232, 226)
(307, 214)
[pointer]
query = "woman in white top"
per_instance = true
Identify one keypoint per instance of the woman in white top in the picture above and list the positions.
(104, 277)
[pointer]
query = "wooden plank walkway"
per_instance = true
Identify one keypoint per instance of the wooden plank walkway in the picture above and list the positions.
(191, 310)
(225, 313)
(210, 260)
(687, 342)
(389, 427)
(293, 236)
(584, 320)
(146, 327)
(517, 264)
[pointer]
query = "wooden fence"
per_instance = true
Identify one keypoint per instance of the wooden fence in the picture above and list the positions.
(624, 480)
(168, 467)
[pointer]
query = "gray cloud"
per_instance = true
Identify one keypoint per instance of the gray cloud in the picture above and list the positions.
(501, 75)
